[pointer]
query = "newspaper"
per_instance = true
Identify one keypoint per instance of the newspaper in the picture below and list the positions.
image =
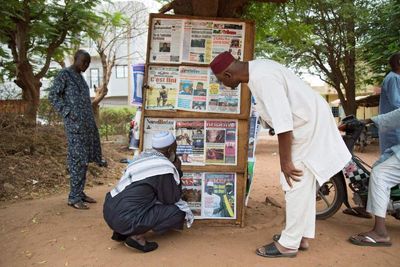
(197, 41)
(193, 88)
(254, 128)
(228, 36)
(222, 99)
(192, 184)
(166, 41)
(190, 140)
(219, 196)
(137, 85)
(162, 89)
(221, 142)
(154, 125)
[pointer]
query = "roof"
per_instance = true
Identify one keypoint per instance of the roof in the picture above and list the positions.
(362, 101)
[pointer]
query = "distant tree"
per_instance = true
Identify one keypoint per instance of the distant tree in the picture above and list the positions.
(382, 37)
(120, 24)
(33, 33)
(319, 35)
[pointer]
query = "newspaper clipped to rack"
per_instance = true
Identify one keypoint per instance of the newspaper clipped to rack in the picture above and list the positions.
(210, 195)
(166, 41)
(162, 87)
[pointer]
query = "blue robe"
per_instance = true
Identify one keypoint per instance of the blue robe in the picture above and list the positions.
(70, 97)
(389, 101)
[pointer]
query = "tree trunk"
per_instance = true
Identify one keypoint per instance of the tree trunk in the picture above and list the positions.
(30, 89)
(96, 113)
(350, 64)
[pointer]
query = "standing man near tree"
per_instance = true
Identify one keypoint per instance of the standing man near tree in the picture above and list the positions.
(70, 96)
(311, 149)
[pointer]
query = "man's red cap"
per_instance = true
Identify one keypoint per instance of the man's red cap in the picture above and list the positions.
(221, 62)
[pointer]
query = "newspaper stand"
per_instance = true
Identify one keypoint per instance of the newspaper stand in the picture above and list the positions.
(242, 118)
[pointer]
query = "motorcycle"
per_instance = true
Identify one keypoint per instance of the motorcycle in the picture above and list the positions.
(334, 193)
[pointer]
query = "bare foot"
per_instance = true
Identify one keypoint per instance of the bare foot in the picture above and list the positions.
(284, 250)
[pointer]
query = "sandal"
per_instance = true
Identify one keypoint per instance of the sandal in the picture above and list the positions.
(271, 251)
(147, 247)
(78, 205)
(278, 236)
(88, 199)
(366, 240)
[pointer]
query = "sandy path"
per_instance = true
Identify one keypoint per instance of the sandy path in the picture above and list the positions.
(48, 233)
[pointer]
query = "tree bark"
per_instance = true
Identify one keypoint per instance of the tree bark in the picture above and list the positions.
(102, 90)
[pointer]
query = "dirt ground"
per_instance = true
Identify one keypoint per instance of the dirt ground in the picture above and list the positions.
(46, 232)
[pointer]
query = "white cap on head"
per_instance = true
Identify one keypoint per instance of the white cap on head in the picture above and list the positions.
(210, 183)
(162, 139)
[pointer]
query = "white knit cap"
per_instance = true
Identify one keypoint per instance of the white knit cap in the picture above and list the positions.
(210, 184)
(162, 139)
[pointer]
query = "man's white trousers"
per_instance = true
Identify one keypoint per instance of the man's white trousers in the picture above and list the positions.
(384, 176)
(300, 209)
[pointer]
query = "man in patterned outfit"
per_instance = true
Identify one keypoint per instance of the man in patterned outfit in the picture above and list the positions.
(70, 97)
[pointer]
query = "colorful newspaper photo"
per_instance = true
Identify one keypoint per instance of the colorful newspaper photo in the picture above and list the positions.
(190, 140)
(193, 87)
(221, 142)
(162, 89)
(222, 99)
(219, 196)
(228, 36)
(192, 184)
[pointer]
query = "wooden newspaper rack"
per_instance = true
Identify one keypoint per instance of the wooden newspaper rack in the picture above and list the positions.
(161, 45)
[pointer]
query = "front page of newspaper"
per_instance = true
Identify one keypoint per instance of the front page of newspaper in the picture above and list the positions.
(221, 142)
(154, 125)
(166, 41)
(193, 87)
(192, 184)
(197, 41)
(162, 88)
(219, 196)
(190, 141)
(222, 99)
(228, 36)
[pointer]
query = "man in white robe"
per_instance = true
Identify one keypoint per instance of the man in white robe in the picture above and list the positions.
(310, 146)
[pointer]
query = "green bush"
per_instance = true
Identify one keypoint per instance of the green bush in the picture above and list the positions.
(115, 121)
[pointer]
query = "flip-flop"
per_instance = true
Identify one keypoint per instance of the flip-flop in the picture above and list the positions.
(78, 205)
(368, 241)
(271, 251)
(147, 247)
(276, 238)
(358, 212)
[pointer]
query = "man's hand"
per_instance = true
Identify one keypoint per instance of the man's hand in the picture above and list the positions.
(291, 173)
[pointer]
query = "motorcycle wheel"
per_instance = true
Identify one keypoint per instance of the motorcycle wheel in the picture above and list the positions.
(330, 197)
